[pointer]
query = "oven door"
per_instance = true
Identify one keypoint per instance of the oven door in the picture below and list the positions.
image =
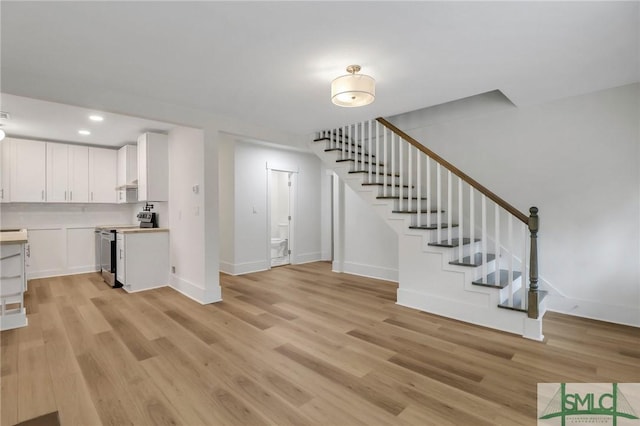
(108, 256)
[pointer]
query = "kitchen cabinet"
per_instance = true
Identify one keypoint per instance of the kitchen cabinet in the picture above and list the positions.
(153, 167)
(102, 175)
(5, 172)
(28, 170)
(142, 258)
(127, 174)
(67, 173)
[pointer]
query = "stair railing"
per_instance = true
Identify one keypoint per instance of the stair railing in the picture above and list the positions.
(408, 171)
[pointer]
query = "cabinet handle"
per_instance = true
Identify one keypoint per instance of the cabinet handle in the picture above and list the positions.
(28, 250)
(91, 195)
(65, 195)
(2, 194)
(42, 195)
(120, 253)
(70, 195)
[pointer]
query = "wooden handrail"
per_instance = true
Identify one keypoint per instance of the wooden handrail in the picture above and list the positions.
(499, 201)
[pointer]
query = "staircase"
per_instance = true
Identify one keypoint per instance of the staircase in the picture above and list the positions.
(464, 252)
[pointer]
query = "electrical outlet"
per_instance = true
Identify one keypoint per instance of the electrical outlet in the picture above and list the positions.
(173, 269)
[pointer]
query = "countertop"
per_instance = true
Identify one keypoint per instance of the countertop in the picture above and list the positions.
(13, 237)
(141, 230)
(108, 227)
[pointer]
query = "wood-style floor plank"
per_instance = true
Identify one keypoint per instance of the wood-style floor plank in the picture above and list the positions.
(296, 345)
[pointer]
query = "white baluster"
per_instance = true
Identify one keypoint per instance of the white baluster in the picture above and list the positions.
(472, 220)
(496, 278)
(485, 236)
(449, 207)
(511, 254)
(419, 186)
(370, 151)
(460, 224)
(401, 171)
(386, 162)
(525, 262)
(393, 166)
(410, 175)
(378, 157)
(428, 161)
(438, 205)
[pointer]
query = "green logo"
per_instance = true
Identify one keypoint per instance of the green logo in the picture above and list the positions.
(586, 404)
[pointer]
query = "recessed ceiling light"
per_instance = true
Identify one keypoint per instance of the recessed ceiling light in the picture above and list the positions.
(84, 132)
(96, 118)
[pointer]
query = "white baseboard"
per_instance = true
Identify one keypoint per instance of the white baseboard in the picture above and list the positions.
(50, 273)
(500, 319)
(243, 268)
(625, 315)
(307, 258)
(192, 291)
(370, 271)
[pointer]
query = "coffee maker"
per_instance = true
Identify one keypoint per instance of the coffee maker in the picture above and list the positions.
(147, 218)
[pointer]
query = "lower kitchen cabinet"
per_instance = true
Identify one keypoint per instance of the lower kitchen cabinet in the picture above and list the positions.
(13, 284)
(142, 259)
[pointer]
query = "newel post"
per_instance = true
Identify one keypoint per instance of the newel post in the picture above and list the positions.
(533, 296)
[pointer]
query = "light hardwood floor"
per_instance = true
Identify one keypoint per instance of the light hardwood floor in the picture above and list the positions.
(297, 345)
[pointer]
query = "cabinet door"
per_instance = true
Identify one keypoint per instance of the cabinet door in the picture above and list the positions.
(120, 259)
(28, 170)
(153, 165)
(103, 164)
(57, 172)
(78, 174)
(5, 171)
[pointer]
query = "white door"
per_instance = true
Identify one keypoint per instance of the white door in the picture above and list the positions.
(281, 215)
(57, 172)
(5, 174)
(28, 171)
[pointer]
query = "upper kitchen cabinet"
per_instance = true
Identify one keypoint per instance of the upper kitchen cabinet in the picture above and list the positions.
(5, 172)
(28, 170)
(102, 175)
(67, 173)
(153, 167)
(128, 174)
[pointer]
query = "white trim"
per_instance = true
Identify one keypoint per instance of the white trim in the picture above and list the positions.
(370, 271)
(243, 268)
(315, 256)
(617, 314)
(194, 292)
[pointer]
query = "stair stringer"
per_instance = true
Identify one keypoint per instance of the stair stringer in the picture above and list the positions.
(426, 280)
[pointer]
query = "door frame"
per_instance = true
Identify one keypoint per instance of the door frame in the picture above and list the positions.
(293, 207)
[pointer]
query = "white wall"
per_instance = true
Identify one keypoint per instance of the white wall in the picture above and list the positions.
(186, 214)
(577, 159)
(250, 240)
(370, 245)
(61, 236)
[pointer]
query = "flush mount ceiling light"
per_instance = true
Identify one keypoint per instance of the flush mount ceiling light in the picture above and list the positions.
(96, 118)
(2, 134)
(84, 132)
(353, 90)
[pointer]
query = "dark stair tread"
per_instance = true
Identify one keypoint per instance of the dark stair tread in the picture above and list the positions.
(424, 211)
(517, 297)
(454, 242)
(477, 260)
(416, 211)
(372, 172)
(338, 142)
(503, 279)
(397, 197)
(358, 153)
(382, 184)
(342, 160)
(433, 226)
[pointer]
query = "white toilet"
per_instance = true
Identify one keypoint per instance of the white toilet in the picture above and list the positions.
(279, 247)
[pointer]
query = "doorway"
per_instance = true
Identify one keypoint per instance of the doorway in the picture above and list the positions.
(280, 217)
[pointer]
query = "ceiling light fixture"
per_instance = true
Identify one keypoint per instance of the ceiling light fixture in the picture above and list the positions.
(2, 134)
(96, 118)
(84, 132)
(353, 90)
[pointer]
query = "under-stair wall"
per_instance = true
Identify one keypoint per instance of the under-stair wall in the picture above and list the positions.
(431, 205)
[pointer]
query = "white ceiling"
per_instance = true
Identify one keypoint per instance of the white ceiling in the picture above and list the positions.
(271, 63)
